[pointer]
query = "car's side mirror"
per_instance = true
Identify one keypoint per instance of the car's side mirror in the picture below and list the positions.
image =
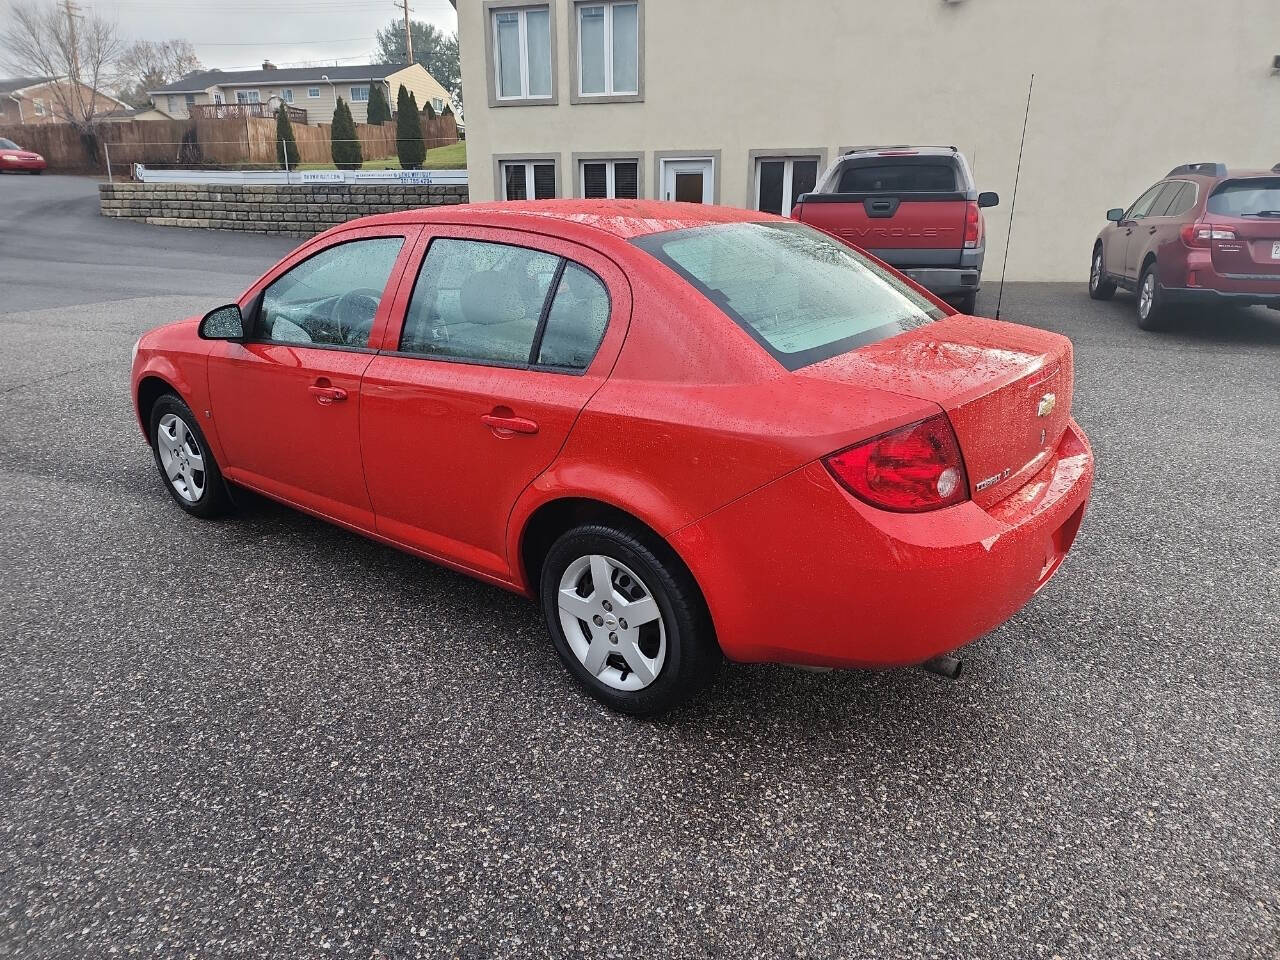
(223, 323)
(1115, 214)
(988, 198)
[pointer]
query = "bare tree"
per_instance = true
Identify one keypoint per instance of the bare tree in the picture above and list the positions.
(78, 50)
(147, 64)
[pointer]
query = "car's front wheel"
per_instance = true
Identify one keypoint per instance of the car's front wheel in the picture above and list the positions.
(1100, 288)
(627, 619)
(185, 462)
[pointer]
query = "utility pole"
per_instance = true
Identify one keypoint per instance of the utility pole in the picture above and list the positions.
(73, 11)
(408, 34)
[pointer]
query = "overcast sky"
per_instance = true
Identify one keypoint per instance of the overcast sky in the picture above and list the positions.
(233, 34)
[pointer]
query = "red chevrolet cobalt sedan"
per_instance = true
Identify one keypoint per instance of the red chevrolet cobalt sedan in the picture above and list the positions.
(686, 430)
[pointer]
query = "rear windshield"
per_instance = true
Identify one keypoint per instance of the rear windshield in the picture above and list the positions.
(1246, 198)
(801, 294)
(8, 145)
(898, 178)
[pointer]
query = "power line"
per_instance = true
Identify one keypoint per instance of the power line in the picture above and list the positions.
(276, 43)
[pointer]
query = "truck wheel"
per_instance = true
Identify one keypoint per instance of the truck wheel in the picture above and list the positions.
(966, 302)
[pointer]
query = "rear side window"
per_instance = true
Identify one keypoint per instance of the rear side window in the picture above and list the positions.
(501, 304)
(898, 178)
(1182, 201)
(1259, 197)
(802, 295)
(1160, 206)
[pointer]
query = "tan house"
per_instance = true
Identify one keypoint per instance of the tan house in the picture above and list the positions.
(624, 97)
(313, 90)
(35, 100)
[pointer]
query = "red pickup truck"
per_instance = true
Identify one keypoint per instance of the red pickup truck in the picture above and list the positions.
(916, 208)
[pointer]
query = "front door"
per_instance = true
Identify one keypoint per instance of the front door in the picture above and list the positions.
(286, 401)
(1116, 250)
(688, 181)
(504, 341)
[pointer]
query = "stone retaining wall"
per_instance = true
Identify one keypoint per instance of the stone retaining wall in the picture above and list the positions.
(297, 210)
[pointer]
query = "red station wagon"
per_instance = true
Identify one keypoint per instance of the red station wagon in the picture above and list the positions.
(1204, 234)
(687, 430)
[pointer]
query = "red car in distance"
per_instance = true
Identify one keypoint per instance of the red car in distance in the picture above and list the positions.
(1205, 234)
(689, 431)
(14, 158)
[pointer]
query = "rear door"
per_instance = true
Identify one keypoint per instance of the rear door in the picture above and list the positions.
(1249, 209)
(907, 210)
(1147, 226)
(505, 338)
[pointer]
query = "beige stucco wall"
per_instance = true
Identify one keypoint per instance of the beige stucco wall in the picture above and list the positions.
(1124, 90)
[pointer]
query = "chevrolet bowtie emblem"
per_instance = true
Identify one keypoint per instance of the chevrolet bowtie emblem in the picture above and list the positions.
(1046, 405)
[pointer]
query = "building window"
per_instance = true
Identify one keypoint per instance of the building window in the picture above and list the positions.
(437, 104)
(217, 98)
(781, 180)
(190, 98)
(248, 96)
(608, 49)
(528, 179)
(39, 106)
(610, 179)
(173, 104)
(286, 96)
(522, 53)
(360, 94)
(313, 93)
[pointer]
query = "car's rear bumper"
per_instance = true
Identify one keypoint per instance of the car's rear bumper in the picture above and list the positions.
(1209, 296)
(946, 281)
(801, 572)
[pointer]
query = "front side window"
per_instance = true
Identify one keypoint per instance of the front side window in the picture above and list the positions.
(8, 145)
(528, 180)
(495, 303)
(1143, 204)
(330, 299)
(802, 295)
(781, 180)
(608, 49)
(360, 94)
(522, 53)
(610, 179)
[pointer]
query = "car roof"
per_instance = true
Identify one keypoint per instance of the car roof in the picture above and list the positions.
(623, 219)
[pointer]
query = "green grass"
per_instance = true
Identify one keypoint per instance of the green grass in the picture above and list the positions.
(452, 157)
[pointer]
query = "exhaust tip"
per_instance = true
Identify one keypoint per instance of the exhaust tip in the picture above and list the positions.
(944, 665)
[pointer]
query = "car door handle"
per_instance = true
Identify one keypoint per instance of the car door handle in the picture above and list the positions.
(500, 423)
(326, 395)
(1151, 229)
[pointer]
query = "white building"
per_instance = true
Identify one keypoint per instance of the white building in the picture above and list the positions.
(583, 97)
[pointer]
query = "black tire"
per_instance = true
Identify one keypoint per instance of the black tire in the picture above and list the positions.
(966, 302)
(692, 655)
(212, 500)
(1152, 315)
(36, 173)
(1100, 288)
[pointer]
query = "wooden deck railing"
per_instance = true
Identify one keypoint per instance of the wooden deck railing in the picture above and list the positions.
(234, 111)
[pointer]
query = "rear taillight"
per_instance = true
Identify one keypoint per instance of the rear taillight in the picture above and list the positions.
(1203, 234)
(972, 225)
(909, 470)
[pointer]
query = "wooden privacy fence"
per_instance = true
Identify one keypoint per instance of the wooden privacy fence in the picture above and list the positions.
(229, 142)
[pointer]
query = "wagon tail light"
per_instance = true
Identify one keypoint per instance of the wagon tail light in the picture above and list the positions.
(972, 225)
(1203, 234)
(909, 470)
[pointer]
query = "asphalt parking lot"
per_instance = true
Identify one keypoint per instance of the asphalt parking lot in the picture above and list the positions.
(266, 736)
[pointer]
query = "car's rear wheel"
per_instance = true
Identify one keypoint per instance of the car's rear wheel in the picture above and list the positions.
(1100, 288)
(627, 619)
(1151, 308)
(185, 462)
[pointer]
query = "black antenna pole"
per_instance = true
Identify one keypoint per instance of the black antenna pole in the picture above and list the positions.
(1013, 204)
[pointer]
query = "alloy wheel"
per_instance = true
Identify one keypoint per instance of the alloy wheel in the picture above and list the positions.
(1147, 295)
(181, 457)
(1095, 275)
(612, 622)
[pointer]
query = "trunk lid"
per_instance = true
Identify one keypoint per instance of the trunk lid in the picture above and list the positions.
(1007, 390)
(1250, 208)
